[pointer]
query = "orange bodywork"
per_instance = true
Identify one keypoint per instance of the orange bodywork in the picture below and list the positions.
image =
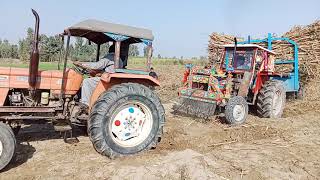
(51, 80)
(47, 80)
(108, 80)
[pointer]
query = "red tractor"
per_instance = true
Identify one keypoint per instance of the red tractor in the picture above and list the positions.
(125, 115)
(246, 76)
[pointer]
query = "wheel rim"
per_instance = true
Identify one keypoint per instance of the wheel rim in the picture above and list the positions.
(131, 124)
(277, 102)
(1, 148)
(239, 112)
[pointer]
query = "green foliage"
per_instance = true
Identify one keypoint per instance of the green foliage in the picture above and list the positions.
(133, 50)
(5, 49)
(49, 48)
(145, 51)
(82, 50)
(14, 52)
(8, 50)
(25, 46)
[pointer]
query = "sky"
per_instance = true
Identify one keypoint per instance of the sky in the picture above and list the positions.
(181, 28)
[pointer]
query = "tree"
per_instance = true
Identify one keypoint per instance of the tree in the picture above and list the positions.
(104, 48)
(203, 58)
(25, 46)
(83, 51)
(133, 50)
(50, 48)
(5, 49)
(14, 51)
(159, 56)
(145, 51)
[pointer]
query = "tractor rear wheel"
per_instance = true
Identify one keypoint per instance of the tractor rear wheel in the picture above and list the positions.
(7, 145)
(236, 110)
(126, 119)
(271, 99)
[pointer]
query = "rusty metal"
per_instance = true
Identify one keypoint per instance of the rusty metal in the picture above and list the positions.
(34, 60)
(16, 118)
(65, 67)
(149, 57)
(17, 109)
(117, 55)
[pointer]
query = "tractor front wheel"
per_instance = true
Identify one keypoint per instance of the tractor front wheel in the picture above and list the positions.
(271, 99)
(126, 119)
(236, 110)
(7, 145)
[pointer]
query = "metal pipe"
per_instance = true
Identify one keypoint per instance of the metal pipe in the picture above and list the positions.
(65, 66)
(98, 52)
(61, 49)
(117, 55)
(149, 57)
(234, 51)
(34, 60)
(22, 109)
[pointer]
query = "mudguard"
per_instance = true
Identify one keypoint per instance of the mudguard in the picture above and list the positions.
(109, 79)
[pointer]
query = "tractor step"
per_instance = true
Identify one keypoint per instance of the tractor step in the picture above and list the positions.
(62, 128)
(66, 129)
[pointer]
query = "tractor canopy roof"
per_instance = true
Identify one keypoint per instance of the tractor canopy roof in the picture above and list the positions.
(101, 32)
(249, 46)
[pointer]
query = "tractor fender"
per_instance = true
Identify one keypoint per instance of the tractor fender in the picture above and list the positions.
(110, 79)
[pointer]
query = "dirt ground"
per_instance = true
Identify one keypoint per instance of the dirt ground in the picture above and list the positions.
(286, 148)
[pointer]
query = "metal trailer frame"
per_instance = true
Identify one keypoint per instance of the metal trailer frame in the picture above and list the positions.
(291, 82)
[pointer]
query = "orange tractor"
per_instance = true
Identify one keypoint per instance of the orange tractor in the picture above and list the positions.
(125, 116)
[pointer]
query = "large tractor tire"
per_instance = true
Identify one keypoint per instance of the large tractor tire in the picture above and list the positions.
(236, 110)
(271, 99)
(125, 120)
(7, 145)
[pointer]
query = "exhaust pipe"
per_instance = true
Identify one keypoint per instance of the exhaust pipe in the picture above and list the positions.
(235, 49)
(34, 59)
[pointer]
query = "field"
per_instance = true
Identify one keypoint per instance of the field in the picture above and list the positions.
(286, 148)
(133, 62)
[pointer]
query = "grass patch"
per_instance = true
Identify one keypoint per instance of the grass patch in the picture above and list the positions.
(42, 66)
(133, 62)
